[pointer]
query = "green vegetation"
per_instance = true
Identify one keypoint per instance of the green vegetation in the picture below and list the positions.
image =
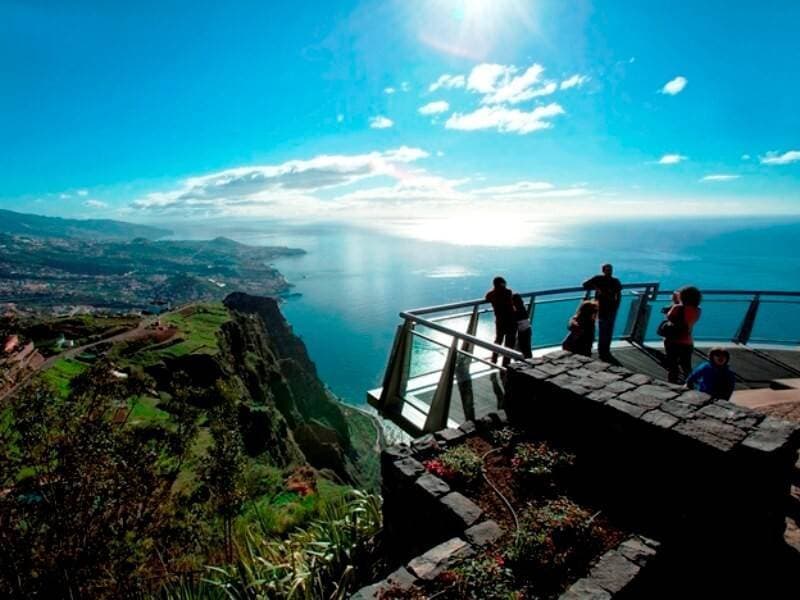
(198, 326)
(61, 373)
(365, 437)
(144, 409)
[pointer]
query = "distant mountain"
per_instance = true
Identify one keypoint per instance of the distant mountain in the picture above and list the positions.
(15, 223)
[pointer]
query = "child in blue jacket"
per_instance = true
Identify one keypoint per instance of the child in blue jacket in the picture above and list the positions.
(714, 377)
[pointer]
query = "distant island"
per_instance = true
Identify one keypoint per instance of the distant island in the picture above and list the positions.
(70, 265)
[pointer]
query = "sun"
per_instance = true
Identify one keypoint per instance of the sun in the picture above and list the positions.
(472, 28)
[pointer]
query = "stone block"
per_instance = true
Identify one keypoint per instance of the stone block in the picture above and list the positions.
(641, 399)
(556, 354)
(613, 572)
(394, 453)
(598, 366)
(695, 398)
(661, 392)
(606, 377)
(601, 395)
(678, 408)
(660, 418)
(581, 372)
(425, 446)
(639, 379)
(552, 368)
(620, 370)
(622, 406)
(636, 550)
(620, 387)
(484, 534)
(536, 360)
(591, 383)
(432, 485)
(468, 427)
(771, 435)
(407, 468)
(463, 510)
(585, 589)
(428, 566)
(449, 436)
(401, 578)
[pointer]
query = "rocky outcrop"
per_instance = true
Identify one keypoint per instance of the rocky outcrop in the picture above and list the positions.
(286, 409)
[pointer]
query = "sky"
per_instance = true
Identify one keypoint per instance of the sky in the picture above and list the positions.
(401, 114)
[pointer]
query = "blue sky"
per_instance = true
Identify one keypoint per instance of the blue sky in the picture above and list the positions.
(156, 111)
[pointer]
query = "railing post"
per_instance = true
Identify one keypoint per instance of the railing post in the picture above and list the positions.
(639, 315)
(396, 376)
(746, 328)
(472, 329)
(440, 404)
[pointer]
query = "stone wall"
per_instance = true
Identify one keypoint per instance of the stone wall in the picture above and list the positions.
(710, 479)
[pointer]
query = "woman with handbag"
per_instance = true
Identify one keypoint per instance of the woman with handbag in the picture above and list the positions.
(676, 330)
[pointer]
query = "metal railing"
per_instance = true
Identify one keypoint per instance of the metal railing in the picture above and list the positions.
(440, 347)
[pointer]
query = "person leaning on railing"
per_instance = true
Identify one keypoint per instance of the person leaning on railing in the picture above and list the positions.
(505, 324)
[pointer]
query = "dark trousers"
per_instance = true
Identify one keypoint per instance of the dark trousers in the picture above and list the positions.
(605, 331)
(678, 358)
(505, 334)
(524, 342)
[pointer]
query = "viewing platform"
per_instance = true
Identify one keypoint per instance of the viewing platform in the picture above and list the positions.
(440, 372)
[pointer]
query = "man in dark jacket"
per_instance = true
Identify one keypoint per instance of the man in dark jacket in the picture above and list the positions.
(505, 323)
(607, 293)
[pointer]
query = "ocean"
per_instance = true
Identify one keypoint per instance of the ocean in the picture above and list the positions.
(353, 282)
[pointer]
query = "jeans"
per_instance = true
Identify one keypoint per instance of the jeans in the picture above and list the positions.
(605, 331)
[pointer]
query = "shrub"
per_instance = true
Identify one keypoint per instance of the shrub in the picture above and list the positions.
(536, 460)
(460, 464)
(484, 578)
(551, 536)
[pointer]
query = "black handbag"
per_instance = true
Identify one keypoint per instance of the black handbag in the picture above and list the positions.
(670, 330)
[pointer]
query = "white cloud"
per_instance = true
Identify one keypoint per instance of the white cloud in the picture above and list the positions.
(83, 192)
(389, 90)
(484, 77)
(439, 153)
(775, 158)
(671, 159)
(674, 86)
(95, 204)
(434, 108)
(292, 183)
(574, 81)
(405, 86)
(511, 89)
(339, 118)
(505, 120)
(64, 196)
(448, 82)
(720, 177)
(745, 157)
(380, 122)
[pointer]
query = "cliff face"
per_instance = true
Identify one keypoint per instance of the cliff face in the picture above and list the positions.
(285, 410)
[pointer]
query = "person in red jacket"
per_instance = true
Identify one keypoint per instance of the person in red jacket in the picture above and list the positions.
(505, 323)
(678, 347)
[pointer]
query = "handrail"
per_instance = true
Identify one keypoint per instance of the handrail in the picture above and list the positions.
(458, 343)
(736, 293)
(464, 337)
(478, 301)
